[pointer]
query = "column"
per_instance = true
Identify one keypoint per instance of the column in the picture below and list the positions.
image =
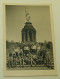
(24, 37)
(35, 37)
(28, 37)
(32, 37)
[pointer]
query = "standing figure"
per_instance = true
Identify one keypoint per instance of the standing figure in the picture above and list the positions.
(43, 56)
(14, 60)
(21, 59)
(26, 50)
(16, 55)
(10, 59)
(20, 62)
(31, 60)
(48, 58)
(38, 55)
(27, 16)
(33, 49)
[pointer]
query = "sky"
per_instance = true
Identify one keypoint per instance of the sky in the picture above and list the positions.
(40, 19)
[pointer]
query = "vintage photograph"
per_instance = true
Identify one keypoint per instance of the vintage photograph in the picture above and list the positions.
(29, 42)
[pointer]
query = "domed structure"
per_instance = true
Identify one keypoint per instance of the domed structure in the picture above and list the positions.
(28, 33)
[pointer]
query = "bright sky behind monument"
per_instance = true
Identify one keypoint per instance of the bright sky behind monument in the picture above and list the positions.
(40, 19)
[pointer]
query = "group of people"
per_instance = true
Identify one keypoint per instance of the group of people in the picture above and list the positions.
(28, 56)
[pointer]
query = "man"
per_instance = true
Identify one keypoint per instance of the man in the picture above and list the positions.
(48, 58)
(16, 55)
(33, 49)
(16, 51)
(10, 59)
(43, 56)
(38, 54)
(20, 62)
(14, 60)
(21, 59)
(20, 52)
(26, 50)
(32, 59)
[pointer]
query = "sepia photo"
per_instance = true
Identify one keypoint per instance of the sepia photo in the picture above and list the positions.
(29, 48)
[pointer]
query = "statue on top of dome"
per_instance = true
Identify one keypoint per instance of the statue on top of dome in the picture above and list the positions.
(28, 18)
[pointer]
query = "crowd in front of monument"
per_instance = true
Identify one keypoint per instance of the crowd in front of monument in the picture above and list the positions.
(33, 56)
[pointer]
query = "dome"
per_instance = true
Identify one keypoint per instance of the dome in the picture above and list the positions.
(28, 33)
(28, 27)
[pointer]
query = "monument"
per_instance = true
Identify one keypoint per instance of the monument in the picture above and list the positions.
(28, 32)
